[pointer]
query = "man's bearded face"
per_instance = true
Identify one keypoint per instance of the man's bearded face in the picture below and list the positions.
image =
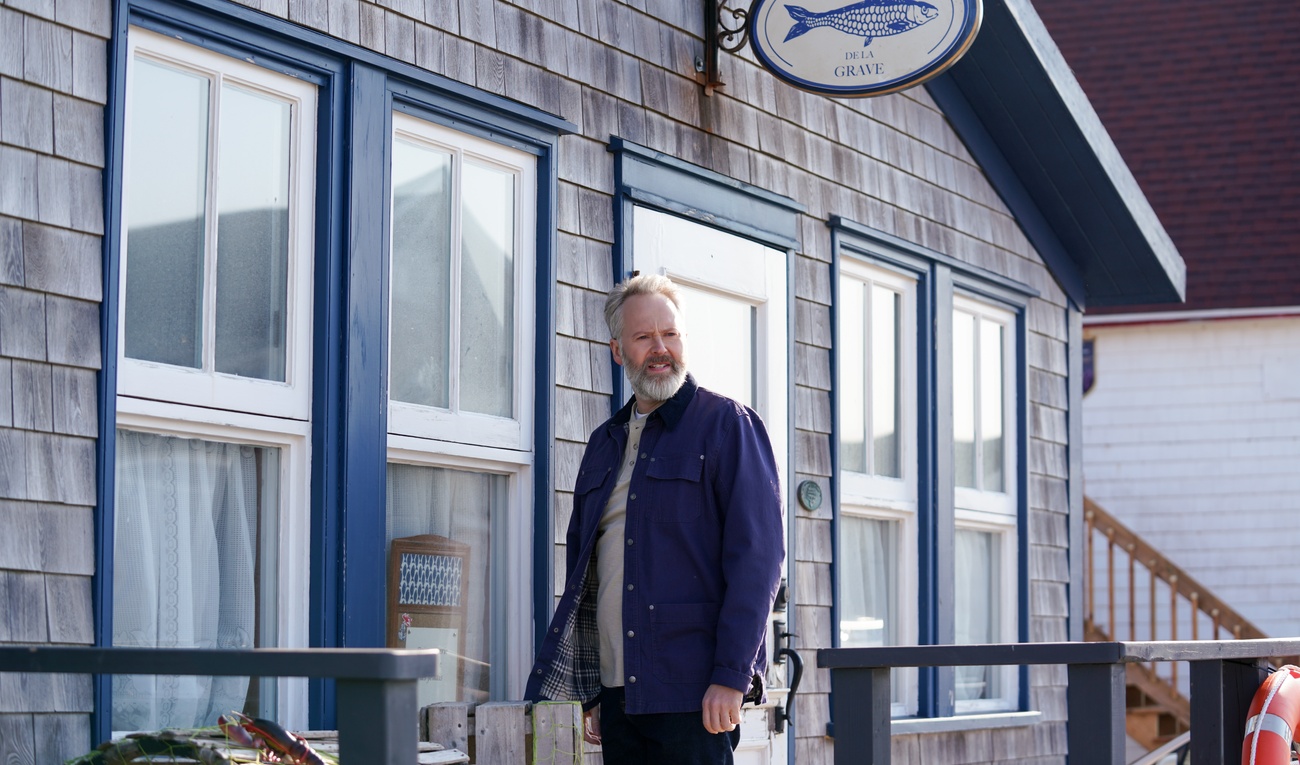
(653, 385)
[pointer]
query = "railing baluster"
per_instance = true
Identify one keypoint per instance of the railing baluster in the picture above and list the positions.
(1152, 604)
(1173, 624)
(1110, 582)
(1132, 593)
(1090, 527)
(1196, 616)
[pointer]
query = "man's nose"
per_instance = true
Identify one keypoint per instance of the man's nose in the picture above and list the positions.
(658, 345)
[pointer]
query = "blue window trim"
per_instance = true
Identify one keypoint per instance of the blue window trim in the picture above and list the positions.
(358, 90)
(647, 178)
(939, 278)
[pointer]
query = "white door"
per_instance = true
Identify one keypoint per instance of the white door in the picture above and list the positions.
(734, 291)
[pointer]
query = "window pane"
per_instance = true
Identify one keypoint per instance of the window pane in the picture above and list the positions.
(460, 506)
(165, 198)
(991, 392)
(869, 616)
(194, 567)
(721, 340)
(853, 376)
(487, 291)
(252, 234)
(885, 409)
(963, 398)
(420, 277)
(978, 608)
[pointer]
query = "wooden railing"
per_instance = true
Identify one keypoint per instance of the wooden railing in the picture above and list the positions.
(376, 687)
(1142, 595)
(1225, 675)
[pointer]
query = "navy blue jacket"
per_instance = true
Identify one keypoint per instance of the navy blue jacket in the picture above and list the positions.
(701, 564)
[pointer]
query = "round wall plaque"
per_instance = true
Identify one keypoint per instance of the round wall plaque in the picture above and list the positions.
(867, 48)
(810, 495)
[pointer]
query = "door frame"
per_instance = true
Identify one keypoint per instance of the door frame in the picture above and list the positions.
(647, 178)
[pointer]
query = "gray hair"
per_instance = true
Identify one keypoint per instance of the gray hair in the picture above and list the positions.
(639, 284)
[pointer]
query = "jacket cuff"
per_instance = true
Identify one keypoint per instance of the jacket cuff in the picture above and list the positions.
(731, 679)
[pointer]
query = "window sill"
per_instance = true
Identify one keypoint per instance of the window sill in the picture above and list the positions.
(911, 725)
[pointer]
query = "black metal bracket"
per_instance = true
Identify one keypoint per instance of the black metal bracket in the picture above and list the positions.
(725, 28)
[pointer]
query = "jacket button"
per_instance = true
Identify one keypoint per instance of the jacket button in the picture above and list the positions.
(632, 679)
(630, 633)
(632, 496)
(652, 608)
(631, 587)
(629, 543)
(643, 455)
(556, 630)
(539, 671)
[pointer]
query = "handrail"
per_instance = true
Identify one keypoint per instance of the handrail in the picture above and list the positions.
(1145, 561)
(1224, 677)
(1223, 616)
(376, 687)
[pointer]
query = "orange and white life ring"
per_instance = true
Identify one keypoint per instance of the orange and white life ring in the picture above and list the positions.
(1273, 719)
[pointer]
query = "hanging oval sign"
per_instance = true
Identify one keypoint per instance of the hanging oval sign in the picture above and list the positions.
(866, 48)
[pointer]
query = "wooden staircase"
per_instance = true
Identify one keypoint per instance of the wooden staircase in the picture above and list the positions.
(1133, 592)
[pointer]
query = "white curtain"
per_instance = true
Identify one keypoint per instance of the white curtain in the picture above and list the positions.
(977, 612)
(869, 609)
(458, 505)
(185, 569)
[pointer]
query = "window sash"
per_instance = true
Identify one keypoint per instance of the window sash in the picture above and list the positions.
(203, 385)
(292, 530)
(981, 369)
(1001, 626)
(510, 566)
(512, 426)
(855, 338)
(856, 562)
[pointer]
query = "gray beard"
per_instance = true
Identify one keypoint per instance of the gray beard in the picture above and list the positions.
(657, 388)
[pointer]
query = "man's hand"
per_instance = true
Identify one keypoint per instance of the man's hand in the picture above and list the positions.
(591, 725)
(722, 708)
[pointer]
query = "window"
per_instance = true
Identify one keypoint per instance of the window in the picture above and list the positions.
(460, 370)
(878, 470)
(929, 483)
(983, 408)
(217, 204)
(211, 506)
(326, 336)
(461, 275)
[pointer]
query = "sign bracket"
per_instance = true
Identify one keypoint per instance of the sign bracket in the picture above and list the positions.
(725, 28)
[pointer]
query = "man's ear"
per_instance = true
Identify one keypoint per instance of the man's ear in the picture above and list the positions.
(613, 348)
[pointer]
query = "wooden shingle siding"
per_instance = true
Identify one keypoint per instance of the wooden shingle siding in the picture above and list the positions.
(53, 86)
(58, 737)
(612, 68)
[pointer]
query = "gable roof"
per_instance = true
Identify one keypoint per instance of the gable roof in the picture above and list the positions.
(1024, 117)
(1201, 103)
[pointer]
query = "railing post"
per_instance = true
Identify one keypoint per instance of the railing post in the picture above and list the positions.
(860, 707)
(377, 721)
(1221, 695)
(1095, 704)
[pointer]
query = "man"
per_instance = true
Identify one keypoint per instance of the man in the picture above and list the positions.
(674, 554)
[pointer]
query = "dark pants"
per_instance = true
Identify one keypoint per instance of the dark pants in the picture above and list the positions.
(659, 739)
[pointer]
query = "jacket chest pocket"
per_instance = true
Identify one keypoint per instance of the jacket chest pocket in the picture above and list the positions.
(678, 487)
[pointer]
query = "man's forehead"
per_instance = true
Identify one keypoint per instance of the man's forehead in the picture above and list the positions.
(650, 310)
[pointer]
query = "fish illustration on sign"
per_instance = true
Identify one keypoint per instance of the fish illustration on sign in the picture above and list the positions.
(869, 18)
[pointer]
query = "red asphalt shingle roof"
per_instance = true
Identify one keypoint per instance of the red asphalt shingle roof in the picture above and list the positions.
(1201, 99)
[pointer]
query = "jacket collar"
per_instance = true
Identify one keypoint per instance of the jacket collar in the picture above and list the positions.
(670, 411)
